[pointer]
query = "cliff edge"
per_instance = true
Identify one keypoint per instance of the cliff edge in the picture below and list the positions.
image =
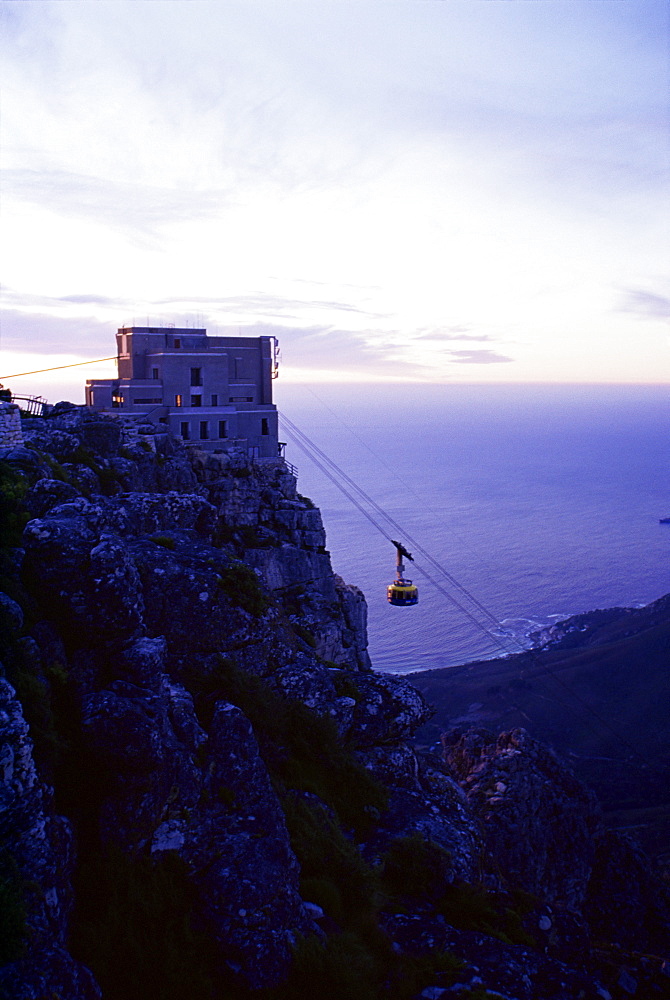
(207, 792)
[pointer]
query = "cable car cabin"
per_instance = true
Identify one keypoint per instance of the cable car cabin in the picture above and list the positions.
(402, 593)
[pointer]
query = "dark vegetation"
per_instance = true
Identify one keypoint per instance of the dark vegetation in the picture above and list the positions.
(135, 916)
(240, 585)
(13, 931)
(13, 518)
(134, 921)
(302, 750)
(134, 928)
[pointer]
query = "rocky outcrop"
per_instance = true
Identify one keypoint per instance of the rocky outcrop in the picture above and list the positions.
(213, 768)
(530, 806)
(36, 868)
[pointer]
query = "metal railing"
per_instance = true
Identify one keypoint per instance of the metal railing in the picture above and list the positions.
(35, 406)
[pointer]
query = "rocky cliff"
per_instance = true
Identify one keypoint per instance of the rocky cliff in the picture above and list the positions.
(595, 687)
(206, 791)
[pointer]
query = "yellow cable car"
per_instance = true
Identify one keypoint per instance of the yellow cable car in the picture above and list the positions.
(401, 593)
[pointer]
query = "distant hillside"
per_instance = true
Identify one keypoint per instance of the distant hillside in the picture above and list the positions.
(598, 690)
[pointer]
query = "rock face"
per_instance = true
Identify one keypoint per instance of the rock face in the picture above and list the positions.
(513, 784)
(37, 862)
(206, 791)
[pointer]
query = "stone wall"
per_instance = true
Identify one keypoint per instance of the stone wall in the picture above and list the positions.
(11, 435)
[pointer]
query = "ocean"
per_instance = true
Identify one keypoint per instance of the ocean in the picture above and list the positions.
(541, 501)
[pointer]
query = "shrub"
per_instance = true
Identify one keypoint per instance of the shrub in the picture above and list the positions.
(305, 634)
(347, 967)
(415, 866)
(13, 488)
(330, 861)
(108, 476)
(133, 927)
(301, 749)
(240, 585)
(165, 540)
(43, 694)
(344, 684)
(472, 907)
(13, 928)
(340, 968)
(57, 470)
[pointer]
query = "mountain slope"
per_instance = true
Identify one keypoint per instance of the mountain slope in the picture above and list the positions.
(597, 689)
(206, 792)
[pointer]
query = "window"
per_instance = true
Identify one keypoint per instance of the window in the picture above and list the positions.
(265, 429)
(177, 343)
(215, 399)
(196, 400)
(204, 430)
(184, 430)
(179, 400)
(154, 373)
(241, 399)
(196, 376)
(223, 428)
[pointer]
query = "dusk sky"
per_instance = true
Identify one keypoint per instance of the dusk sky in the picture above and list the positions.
(441, 190)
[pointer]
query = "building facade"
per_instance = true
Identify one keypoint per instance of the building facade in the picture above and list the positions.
(213, 391)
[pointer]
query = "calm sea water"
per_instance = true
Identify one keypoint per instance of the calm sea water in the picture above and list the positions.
(543, 501)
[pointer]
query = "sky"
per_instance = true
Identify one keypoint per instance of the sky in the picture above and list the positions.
(399, 190)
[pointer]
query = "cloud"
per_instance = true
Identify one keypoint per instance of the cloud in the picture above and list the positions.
(90, 299)
(642, 303)
(314, 348)
(451, 333)
(40, 333)
(326, 347)
(264, 302)
(369, 351)
(140, 208)
(478, 357)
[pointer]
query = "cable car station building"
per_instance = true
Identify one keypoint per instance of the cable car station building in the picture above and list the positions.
(213, 391)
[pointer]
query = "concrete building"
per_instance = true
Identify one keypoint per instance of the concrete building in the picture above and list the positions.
(213, 391)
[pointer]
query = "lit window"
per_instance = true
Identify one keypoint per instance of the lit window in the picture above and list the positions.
(179, 400)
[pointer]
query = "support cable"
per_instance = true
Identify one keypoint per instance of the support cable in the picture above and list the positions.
(338, 477)
(395, 526)
(57, 368)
